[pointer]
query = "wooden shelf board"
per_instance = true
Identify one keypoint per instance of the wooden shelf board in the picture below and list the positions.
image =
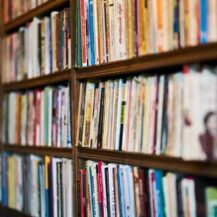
(9, 212)
(174, 164)
(44, 80)
(56, 152)
(149, 62)
(36, 12)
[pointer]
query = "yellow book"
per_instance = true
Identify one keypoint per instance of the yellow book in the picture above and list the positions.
(142, 27)
(46, 171)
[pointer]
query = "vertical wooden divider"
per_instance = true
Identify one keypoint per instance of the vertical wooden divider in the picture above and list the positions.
(74, 97)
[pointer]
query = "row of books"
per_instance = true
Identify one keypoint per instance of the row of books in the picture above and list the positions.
(120, 29)
(172, 113)
(15, 8)
(37, 118)
(42, 47)
(37, 186)
(122, 190)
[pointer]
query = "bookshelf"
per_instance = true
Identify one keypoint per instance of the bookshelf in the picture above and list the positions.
(36, 12)
(152, 63)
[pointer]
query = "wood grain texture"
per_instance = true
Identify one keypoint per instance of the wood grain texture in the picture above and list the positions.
(37, 150)
(200, 168)
(36, 12)
(41, 81)
(150, 62)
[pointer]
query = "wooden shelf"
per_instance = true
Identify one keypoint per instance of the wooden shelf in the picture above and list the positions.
(9, 212)
(44, 80)
(56, 152)
(150, 62)
(36, 12)
(200, 168)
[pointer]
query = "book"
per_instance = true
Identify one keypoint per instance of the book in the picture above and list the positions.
(133, 191)
(27, 185)
(153, 114)
(41, 117)
(41, 47)
(135, 28)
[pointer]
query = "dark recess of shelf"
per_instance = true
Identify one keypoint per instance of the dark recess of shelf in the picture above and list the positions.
(56, 152)
(200, 53)
(9, 212)
(174, 164)
(36, 12)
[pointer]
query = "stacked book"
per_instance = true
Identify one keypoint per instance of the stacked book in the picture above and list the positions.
(40, 117)
(15, 8)
(122, 190)
(172, 114)
(37, 186)
(120, 29)
(42, 47)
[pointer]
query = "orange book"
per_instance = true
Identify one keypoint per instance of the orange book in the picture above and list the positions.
(159, 26)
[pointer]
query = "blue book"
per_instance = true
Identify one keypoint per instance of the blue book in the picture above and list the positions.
(91, 33)
(121, 189)
(91, 185)
(4, 180)
(88, 33)
(203, 21)
(159, 193)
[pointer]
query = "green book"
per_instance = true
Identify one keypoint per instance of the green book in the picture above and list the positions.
(78, 53)
(211, 201)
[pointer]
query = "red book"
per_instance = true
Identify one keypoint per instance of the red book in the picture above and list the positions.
(82, 193)
(100, 187)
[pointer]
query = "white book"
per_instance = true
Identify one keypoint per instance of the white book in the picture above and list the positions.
(69, 189)
(36, 69)
(127, 204)
(182, 22)
(131, 190)
(31, 50)
(96, 116)
(111, 99)
(112, 29)
(48, 46)
(23, 119)
(65, 117)
(54, 15)
(111, 190)
(160, 113)
(59, 130)
(96, 33)
(35, 185)
(114, 116)
(192, 199)
(118, 122)
(54, 183)
(120, 30)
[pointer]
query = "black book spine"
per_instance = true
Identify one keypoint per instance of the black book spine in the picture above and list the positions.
(107, 190)
(100, 129)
